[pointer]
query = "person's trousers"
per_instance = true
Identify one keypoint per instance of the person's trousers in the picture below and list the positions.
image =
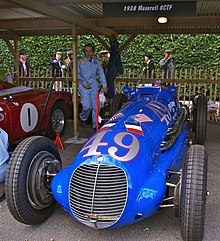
(88, 97)
(3, 169)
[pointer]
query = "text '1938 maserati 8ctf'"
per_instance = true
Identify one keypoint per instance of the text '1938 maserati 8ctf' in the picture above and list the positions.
(141, 160)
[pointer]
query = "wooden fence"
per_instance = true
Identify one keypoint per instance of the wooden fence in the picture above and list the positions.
(187, 81)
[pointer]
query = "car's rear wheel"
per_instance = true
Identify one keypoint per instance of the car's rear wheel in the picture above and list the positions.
(28, 179)
(118, 101)
(57, 120)
(193, 194)
(199, 124)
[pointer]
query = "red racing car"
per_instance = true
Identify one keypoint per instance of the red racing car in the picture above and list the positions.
(24, 111)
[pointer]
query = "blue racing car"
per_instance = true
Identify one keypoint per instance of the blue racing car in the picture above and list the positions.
(148, 155)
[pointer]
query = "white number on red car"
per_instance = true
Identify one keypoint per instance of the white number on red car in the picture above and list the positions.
(28, 117)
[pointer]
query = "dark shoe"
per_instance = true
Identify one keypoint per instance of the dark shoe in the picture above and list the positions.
(83, 124)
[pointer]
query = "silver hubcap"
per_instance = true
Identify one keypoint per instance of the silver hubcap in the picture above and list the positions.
(58, 121)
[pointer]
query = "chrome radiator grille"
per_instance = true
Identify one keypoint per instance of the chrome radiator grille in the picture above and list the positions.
(98, 194)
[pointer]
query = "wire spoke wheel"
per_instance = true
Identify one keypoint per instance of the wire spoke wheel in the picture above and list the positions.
(58, 120)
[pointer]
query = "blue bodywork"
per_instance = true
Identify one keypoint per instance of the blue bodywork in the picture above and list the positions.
(123, 167)
(4, 157)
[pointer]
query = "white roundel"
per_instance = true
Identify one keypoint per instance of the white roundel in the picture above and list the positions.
(28, 117)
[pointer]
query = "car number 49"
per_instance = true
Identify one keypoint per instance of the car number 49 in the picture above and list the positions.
(130, 150)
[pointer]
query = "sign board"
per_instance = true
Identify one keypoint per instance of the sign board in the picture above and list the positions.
(149, 9)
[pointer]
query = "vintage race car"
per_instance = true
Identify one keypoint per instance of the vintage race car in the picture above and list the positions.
(21, 109)
(141, 160)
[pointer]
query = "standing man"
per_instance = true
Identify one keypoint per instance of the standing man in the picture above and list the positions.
(56, 65)
(104, 54)
(88, 69)
(166, 65)
(24, 66)
(149, 68)
(69, 63)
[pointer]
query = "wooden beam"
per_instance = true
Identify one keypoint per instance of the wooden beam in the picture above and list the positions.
(9, 35)
(102, 42)
(17, 74)
(66, 2)
(207, 30)
(36, 32)
(10, 47)
(33, 24)
(56, 12)
(128, 31)
(42, 32)
(75, 82)
(152, 21)
(7, 4)
(126, 43)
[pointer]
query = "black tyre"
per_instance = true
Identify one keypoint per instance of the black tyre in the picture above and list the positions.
(27, 183)
(200, 119)
(57, 120)
(118, 101)
(193, 194)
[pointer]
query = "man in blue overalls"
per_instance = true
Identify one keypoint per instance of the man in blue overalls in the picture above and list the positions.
(88, 69)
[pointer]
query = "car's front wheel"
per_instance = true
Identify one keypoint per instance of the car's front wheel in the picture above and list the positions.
(27, 185)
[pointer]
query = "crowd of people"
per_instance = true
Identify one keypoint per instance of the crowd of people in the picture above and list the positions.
(89, 68)
(65, 68)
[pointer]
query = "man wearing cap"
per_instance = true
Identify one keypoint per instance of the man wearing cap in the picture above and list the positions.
(88, 69)
(56, 65)
(104, 54)
(24, 66)
(149, 68)
(166, 64)
(68, 62)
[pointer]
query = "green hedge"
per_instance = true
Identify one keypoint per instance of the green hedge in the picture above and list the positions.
(190, 51)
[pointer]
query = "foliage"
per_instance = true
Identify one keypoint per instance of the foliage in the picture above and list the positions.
(190, 51)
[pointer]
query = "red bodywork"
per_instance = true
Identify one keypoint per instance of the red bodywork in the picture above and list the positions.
(20, 115)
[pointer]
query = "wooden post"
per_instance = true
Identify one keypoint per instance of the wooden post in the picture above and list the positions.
(74, 82)
(216, 85)
(17, 74)
(210, 85)
(194, 85)
(184, 91)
